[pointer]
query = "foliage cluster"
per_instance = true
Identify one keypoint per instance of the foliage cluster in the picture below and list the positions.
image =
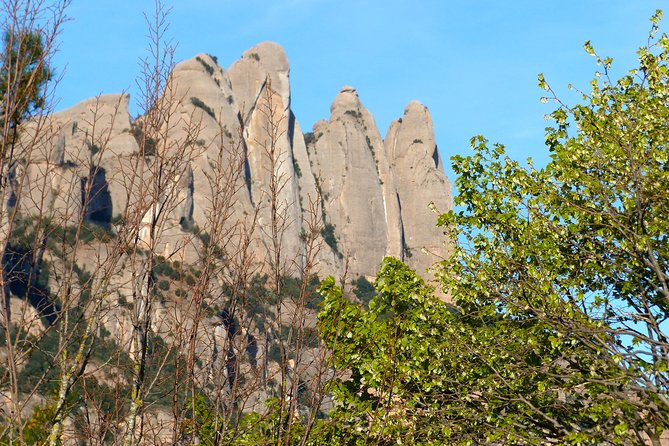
(330, 238)
(208, 68)
(146, 143)
(197, 102)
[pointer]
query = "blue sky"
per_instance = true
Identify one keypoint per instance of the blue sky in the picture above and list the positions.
(474, 63)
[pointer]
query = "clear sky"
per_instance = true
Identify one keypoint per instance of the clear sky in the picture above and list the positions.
(474, 63)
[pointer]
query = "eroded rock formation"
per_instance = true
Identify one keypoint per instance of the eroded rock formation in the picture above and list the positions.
(373, 195)
(218, 167)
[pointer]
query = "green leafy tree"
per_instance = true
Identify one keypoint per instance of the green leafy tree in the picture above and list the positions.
(392, 392)
(24, 72)
(581, 247)
(425, 372)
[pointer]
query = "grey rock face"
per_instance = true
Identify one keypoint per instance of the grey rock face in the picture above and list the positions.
(71, 150)
(217, 170)
(242, 153)
(261, 84)
(350, 165)
(250, 74)
(421, 184)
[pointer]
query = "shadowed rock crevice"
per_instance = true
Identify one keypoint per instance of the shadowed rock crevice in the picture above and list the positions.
(231, 326)
(252, 350)
(25, 276)
(291, 129)
(406, 251)
(96, 199)
(435, 157)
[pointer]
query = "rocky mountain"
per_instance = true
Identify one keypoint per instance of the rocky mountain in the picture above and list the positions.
(373, 194)
(197, 232)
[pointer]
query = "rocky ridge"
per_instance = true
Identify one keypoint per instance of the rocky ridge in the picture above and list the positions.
(373, 193)
(220, 183)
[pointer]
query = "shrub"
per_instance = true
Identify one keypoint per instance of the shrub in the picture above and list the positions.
(197, 102)
(94, 148)
(364, 290)
(188, 225)
(309, 138)
(162, 267)
(355, 113)
(208, 68)
(145, 142)
(296, 166)
(330, 238)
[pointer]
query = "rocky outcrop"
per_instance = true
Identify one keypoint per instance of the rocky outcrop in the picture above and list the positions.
(74, 151)
(181, 213)
(422, 186)
(240, 157)
(260, 80)
(361, 210)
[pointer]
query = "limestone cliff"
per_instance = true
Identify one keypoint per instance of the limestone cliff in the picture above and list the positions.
(357, 185)
(236, 127)
(179, 216)
(422, 186)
